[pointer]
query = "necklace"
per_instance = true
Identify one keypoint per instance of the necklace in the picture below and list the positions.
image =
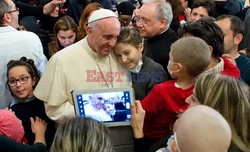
(102, 73)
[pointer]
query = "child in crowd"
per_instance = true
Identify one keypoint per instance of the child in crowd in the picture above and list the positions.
(65, 34)
(12, 133)
(11, 126)
(144, 72)
(231, 98)
(22, 78)
(187, 59)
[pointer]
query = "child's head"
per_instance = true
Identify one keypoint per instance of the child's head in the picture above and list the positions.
(22, 77)
(10, 125)
(191, 55)
(129, 47)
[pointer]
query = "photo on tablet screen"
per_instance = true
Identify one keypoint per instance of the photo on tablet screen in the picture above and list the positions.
(110, 107)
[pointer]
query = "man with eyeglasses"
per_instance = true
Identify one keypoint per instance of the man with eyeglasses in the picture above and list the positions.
(154, 19)
(15, 44)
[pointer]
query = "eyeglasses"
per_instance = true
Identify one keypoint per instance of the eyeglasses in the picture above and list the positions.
(16, 10)
(142, 20)
(22, 80)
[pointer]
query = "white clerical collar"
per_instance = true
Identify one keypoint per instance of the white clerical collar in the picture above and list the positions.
(138, 67)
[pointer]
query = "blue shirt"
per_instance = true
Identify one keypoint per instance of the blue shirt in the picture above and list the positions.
(243, 63)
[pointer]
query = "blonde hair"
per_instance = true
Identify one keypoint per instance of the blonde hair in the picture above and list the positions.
(193, 53)
(81, 134)
(231, 98)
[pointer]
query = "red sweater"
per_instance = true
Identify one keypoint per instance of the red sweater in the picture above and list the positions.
(162, 105)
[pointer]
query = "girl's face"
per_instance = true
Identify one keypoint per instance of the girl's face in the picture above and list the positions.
(66, 38)
(21, 82)
(128, 55)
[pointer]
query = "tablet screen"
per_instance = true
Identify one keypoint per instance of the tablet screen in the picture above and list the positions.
(108, 107)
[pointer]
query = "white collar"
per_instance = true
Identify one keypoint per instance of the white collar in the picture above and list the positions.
(138, 67)
(218, 68)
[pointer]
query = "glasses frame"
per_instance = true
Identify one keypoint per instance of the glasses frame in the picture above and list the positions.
(24, 81)
(16, 10)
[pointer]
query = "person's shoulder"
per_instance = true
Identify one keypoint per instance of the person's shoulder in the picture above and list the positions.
(244, 58)
(170, 32)
(151, 64)
(243, 62)
(165, 85)
(69, 51)
(27, 34)
(13, 33)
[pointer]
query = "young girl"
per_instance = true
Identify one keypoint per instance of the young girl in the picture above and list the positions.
(22, 77)
(65, 34)
(145, 73)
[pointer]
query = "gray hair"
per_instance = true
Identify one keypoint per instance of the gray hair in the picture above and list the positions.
(4, 7)
(92, 25)
(83, 135)
(163, 10)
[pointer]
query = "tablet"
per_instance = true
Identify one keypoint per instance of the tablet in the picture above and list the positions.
(110, 105)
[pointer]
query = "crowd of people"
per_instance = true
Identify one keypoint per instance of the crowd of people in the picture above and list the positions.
(187, 60)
